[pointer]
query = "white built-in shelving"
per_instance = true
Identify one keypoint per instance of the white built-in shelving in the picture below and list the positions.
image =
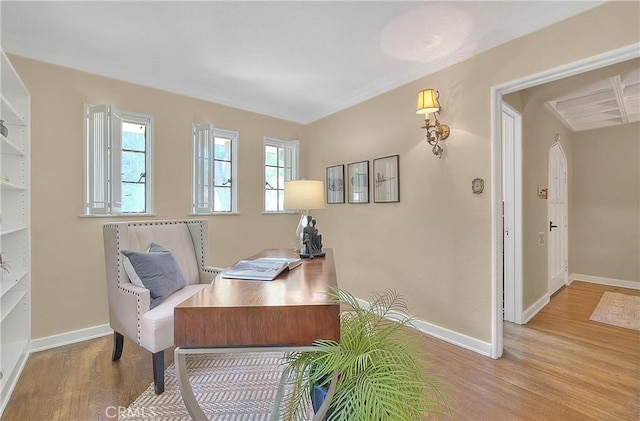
(15, 232)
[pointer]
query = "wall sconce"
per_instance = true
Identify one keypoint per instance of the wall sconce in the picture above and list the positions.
(428, 104)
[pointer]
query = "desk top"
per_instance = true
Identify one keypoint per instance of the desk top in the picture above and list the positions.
(293, 309)
(306, 284)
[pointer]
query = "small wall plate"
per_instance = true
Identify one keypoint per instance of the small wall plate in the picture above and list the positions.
(477, 185)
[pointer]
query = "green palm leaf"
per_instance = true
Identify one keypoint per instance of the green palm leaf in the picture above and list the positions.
(383, 372)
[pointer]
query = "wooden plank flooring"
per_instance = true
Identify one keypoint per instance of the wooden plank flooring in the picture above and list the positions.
(560, 366)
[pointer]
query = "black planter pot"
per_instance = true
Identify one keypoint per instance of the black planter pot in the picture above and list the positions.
(318, 395)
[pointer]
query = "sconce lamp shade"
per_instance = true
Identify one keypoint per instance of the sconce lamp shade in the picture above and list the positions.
(429, 105)
(303, 194)
(428, 102)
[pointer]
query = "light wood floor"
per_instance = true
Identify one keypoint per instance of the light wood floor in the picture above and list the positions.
(560, 366)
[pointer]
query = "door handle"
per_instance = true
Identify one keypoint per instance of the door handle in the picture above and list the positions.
(551, 226)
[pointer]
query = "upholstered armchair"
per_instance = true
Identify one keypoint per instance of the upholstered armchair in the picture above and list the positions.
(134, 312)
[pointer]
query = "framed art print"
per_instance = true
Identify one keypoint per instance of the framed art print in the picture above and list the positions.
(335, 184)
(358, 176)
(386, 179)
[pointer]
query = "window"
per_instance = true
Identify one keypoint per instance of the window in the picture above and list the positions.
(214, 155)
(280, 165)
(118, 164)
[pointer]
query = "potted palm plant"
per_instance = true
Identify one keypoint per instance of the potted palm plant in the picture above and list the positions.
(382, 372)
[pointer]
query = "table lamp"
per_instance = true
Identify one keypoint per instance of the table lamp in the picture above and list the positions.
(304, 195)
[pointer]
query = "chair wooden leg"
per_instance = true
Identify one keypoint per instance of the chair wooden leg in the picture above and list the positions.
(118, 343)
(158, 371)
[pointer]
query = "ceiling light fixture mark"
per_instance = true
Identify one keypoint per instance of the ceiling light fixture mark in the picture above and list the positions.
(426, 33)
(428, 42)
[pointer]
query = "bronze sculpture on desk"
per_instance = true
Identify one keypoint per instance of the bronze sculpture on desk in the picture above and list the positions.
(312, 240)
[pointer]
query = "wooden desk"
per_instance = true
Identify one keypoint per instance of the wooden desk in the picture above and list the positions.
(293, 309)
(234, 315)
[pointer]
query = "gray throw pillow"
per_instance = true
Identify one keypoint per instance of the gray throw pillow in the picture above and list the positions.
(158, 271)
(156, 247)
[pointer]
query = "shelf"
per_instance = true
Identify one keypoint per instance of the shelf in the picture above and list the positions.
(10, 186)
(12, 353)
(10, 148)
(14, 105)
(10, 280)
(9, 114)
(11, 230)
(10, 300)
(13, 349)
(15, 285)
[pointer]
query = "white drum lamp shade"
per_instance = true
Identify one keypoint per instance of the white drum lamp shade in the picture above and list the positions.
(303, 195)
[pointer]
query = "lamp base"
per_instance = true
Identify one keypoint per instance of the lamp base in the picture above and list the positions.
(311, 240)
(300, 248)
(312, 255)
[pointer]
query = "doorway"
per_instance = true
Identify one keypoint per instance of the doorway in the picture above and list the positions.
(500, 197)
(557, 206)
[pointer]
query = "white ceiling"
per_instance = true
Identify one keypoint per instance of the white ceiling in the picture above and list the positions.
(299, 61)
(610, 102)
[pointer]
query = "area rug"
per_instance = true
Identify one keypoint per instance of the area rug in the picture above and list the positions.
(227, 387)
(618, 309)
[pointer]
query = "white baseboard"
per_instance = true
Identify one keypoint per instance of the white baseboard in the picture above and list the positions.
(455, 338)
(604, 281)
(447, 335)
(535, 308)
(67, 338)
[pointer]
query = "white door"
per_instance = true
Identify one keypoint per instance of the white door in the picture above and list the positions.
(557, 203)
(512, 213)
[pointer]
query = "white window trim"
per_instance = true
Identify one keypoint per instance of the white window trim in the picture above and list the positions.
(111, 184)
(294, 146)
(148, 120)
(234, 136)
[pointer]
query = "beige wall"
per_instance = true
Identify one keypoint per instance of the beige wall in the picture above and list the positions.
(604, 225)
(434, 246)
(68, 286)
